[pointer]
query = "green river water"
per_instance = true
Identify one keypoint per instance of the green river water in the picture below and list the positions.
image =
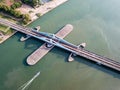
(95, 22)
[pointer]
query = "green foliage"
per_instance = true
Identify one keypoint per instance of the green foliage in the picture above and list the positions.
(32, 3)
(30, 11)
(6, 30)
(2, 1)
(38, 14)
(17, 14)
(16, 5)
(26, 18)
(8, 10)
(35, 2)
(4, 8)
(2, 27)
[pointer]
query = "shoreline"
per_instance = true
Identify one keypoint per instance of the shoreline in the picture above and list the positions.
(47, 7)
(43, 9)
(5, 37)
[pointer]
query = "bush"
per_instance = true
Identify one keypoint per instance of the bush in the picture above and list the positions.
(26, 18)
(18, 14)
(30, 11)
(15, 13)
(16, 5)
(4, 8)
(32, 3)
(38, 14)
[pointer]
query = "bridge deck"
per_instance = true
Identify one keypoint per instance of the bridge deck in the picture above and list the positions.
(65, 45)
(43, 50)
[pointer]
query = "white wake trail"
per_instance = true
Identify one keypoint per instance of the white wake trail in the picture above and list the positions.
(28, 82)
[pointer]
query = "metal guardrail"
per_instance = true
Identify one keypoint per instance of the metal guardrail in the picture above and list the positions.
(65, 45)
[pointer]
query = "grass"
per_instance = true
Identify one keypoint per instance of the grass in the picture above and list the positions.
(6, 17)
(0, 16)
(2, 1)
(0, 39)
(6, 30)
(10, 31)
(2, 27)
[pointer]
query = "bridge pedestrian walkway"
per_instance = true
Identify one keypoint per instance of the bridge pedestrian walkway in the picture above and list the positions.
(43, 50)
(64, 45)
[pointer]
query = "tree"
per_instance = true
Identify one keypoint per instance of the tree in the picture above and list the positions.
(35, 2)
(15, 13)
(16, 5)
(18, 14)
(26, 18)
(5, 8)
(32, 3)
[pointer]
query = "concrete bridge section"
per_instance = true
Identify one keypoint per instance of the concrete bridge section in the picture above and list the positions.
(43, 50)
(63, 44)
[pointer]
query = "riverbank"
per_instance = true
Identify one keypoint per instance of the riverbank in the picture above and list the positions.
(5, 32)
(5, 37)
(41, 10)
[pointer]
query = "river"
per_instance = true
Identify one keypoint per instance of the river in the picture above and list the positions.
(95, 22)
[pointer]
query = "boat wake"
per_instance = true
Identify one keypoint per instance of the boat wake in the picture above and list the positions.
(25, 85)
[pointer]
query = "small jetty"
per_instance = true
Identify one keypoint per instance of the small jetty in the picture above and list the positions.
(82, 45)
(24, 38)
(43, 50)
(70, 58)
(37, 28)
(28, 36)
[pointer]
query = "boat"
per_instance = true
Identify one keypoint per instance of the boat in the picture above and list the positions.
(25, 85)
